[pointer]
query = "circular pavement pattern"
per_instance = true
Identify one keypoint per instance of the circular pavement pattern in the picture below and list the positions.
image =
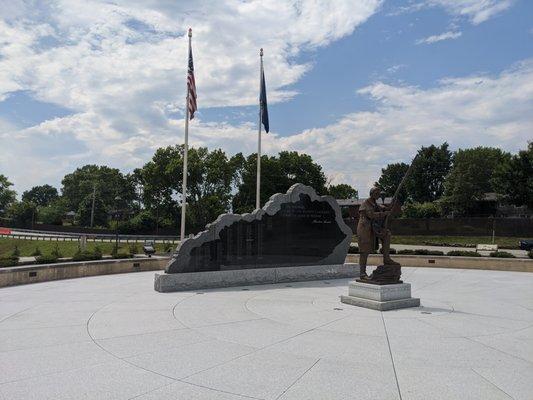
(114, 337)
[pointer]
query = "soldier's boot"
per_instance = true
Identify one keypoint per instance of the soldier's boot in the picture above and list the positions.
(362, 273)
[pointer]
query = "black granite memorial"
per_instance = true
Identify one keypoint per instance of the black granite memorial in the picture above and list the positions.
(293, 229)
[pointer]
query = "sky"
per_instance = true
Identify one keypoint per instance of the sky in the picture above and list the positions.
(357, 84)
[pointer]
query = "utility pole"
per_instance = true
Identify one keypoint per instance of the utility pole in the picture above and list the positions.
(92, 207)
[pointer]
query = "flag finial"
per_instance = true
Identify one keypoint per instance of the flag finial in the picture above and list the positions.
(261, 52)
(190, 32)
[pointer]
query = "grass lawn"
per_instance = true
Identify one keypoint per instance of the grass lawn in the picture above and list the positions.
(465, 241)
(67, 249)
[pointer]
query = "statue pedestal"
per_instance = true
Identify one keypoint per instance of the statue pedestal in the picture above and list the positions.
(380, 297)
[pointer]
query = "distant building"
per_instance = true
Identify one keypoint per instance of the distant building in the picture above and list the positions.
(350, 207)
(493, 204)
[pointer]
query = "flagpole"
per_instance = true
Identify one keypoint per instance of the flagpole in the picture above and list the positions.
(185, 154)
(258, 184)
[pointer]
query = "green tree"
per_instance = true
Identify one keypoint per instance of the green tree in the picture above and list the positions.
(300, 168)
(143, 222)
(109, 183)
(209, 182)
(40, 195)
(277, 175)
(426, 182)
(22, 213)
(471, 177)
(7, 196)
(343, 191)
(272, 181)
(53, 213)
(211, 174)
(390, 179)
(513, 178)
(83, 215)
(422, 210)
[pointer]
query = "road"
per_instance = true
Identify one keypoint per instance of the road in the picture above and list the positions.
(445, 249)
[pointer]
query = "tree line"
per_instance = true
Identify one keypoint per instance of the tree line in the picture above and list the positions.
(148, 199)
(442, 183)
(445, 183)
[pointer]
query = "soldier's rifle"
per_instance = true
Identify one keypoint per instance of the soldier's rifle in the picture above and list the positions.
(397, 192)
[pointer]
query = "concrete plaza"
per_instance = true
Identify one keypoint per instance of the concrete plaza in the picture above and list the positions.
(114, 337)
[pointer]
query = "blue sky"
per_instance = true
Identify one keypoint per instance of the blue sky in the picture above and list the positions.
(356, 84)
(384, 48)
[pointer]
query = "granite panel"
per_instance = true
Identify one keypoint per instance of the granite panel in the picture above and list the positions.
(292, 229)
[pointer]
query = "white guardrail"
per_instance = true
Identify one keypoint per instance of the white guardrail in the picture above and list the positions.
(28, 234)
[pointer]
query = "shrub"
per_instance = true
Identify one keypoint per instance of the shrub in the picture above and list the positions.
(46, 259)
(37, 252)
(86, 255)
(530, 253)
(426, 252)
(133, 249)
(446, 244)
(421, 252)
(168, 247)
(16, 252)
(353, 249)
(463, 253)
(406, 251)
(502, 254)
(56, 253)
(8, 262)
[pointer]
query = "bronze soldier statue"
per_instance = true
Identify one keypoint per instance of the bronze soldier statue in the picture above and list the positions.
(371, 228)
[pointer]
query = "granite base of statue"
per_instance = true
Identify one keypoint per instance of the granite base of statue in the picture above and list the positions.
(382, 297)
(296, 236)
(382, 290)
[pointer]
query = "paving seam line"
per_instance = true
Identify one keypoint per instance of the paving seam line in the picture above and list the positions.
(391, 357)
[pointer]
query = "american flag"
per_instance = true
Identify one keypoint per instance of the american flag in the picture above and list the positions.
(191, 85)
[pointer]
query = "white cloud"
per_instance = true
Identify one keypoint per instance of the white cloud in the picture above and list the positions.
(466, 112)
(120, 67)
(113, 52)
(476, 11)
(395, 68)
(438, 38)
(478, 110)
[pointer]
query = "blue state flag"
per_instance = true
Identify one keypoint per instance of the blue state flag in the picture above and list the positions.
(263, 102)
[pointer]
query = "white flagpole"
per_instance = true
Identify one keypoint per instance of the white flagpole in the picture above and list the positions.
(258, 184)
(185, 153)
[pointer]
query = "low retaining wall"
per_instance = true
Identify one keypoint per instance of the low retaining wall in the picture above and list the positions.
(11, 276)
(164, 282)
(488, 263)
